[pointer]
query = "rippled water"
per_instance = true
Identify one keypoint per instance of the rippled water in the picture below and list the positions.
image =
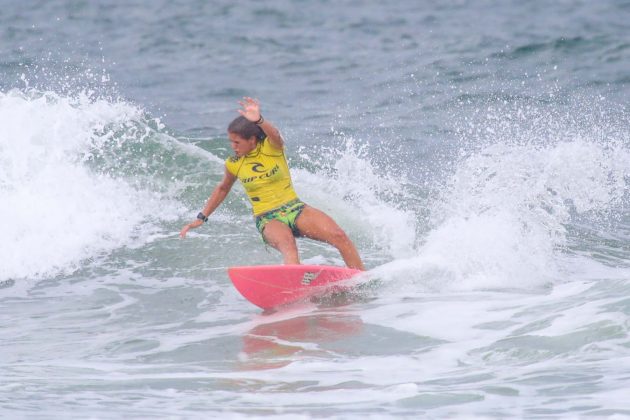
(477, 153)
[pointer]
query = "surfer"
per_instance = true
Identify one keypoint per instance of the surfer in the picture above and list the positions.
(260, 165)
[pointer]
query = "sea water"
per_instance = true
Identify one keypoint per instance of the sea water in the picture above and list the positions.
(478, 153)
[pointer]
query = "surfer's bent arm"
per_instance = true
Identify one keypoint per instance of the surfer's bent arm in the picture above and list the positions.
(216, 198)
(273, 134)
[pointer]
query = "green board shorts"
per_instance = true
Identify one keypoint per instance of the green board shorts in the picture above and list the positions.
(286, 214)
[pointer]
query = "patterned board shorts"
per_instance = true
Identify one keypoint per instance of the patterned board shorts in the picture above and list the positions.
(286, 214)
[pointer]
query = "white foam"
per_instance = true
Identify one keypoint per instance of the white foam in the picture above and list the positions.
(55, 212)
(502, 217)
(351, 188)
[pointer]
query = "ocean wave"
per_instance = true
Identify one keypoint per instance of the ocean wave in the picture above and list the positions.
(58, 209)
(525, 182)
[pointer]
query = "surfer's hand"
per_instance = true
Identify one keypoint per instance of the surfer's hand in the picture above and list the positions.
(251, 109)
(185, 229)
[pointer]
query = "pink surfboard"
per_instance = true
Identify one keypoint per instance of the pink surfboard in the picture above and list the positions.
(269, 286)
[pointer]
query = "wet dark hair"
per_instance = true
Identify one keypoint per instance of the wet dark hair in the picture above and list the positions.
(246, 129)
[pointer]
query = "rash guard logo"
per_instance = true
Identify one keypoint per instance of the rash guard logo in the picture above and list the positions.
(257, 167)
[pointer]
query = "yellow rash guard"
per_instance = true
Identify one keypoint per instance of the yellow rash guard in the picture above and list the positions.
(265, 175)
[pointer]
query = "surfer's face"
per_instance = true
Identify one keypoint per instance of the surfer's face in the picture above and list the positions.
(240, 145)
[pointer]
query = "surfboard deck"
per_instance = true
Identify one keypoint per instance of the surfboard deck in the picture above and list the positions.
(269, 286)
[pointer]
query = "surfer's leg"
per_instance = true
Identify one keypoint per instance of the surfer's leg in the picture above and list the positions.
(280, 236)
(316, 224)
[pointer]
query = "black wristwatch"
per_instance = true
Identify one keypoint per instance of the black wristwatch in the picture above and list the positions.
(202, 216)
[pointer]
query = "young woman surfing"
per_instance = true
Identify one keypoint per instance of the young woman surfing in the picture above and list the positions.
(260, 165)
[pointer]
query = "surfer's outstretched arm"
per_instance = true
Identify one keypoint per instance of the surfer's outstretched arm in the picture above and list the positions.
(216, 198)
